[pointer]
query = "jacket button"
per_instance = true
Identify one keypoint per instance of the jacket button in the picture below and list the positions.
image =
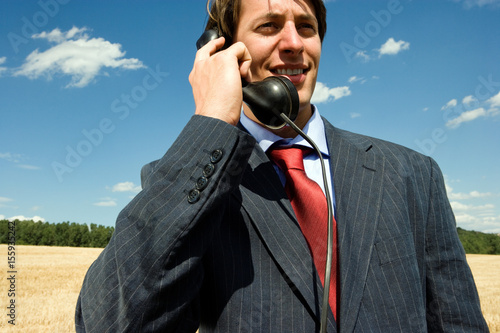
(209, 170)
(193, 196)
(201, 183)
(216, 156)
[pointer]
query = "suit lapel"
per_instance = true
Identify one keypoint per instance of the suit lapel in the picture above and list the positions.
(357, 178)
(272, 215)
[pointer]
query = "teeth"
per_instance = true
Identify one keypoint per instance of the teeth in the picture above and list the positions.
(289, 71)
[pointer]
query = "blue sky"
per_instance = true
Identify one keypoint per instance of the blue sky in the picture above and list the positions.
(91, 91)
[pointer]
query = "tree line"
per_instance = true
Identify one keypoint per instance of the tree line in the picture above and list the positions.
(55, 234)
(475, 242)
(83, 235)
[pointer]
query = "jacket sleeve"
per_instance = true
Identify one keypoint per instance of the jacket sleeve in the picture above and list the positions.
(149, 276)
(452, 300)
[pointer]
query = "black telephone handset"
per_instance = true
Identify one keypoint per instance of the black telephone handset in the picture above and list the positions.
(268, 98)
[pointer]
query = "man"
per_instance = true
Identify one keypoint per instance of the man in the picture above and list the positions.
(213, 241)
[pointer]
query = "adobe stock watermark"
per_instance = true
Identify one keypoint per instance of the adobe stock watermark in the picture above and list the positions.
(363, 37)
(30, 26)
(484, 91)
(94, 137)
(11, 274)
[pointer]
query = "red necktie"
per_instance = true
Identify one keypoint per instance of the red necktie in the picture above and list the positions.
(309, 203)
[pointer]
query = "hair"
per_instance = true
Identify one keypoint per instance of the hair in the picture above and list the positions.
(224, 16)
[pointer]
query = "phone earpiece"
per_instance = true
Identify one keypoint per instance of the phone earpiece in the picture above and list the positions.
(206, 37)
(267, 98)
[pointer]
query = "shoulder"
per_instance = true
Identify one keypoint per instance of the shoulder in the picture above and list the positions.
(200, 138)
(395, 156)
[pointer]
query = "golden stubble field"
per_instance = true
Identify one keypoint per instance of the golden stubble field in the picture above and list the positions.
(48, 281)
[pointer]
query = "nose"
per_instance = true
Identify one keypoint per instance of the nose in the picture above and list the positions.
(291, 41)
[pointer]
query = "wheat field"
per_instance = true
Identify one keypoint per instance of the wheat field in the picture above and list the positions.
(48, 281)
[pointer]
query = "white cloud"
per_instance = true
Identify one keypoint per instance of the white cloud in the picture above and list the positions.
(480, 216)
(363, 55)
(391, 47)
(494, 101)
(28, 167)
(18, 158)
(354, 115)
(468, 100)
(457, 206)
(4, 201)
(425, 109)
(2, 61)
(353, 79)
(479, 3)
(323, 94)
(126, 187)
(14, 158)
(465, 196)
(490, 224)
(466, 117)
(57, 36)
(106, 202)
(490, 108)
(77, 55)
(450, 104)
(24, 218)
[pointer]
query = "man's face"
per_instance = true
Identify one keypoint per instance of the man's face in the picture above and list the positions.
(282, 37)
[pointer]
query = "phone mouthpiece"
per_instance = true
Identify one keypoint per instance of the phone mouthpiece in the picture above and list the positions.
(271, 97)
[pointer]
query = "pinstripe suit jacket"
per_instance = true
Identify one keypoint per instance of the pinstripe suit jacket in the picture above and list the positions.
(230, 256)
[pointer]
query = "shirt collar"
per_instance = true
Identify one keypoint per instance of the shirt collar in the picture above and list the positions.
(314, 128)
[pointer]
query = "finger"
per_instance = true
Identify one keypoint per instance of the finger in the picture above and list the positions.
(244, 60)
(210, 49)
(241, 52)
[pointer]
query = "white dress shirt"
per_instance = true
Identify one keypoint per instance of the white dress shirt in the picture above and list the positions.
(315, 129)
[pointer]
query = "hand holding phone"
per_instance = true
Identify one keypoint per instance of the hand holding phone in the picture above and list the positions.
(216, 80)
(267, 99)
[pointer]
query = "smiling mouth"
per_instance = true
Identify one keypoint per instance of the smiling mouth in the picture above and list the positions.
(291, 72)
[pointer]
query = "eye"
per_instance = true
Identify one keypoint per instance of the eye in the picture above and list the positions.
(307, 29)
(268, 28)
(307, 26)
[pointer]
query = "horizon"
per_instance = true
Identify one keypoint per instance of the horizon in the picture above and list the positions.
(92, 91)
